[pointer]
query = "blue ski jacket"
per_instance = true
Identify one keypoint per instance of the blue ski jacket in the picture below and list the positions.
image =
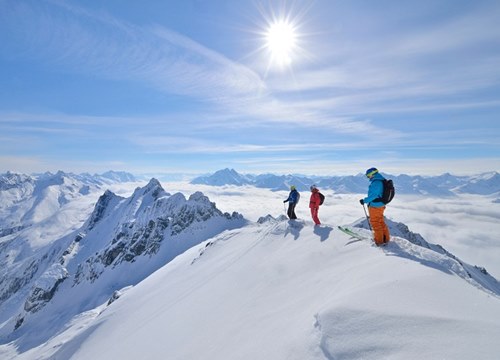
(375, 190)
(293, 197)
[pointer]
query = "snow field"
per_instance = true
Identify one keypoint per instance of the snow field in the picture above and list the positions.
(263, 293)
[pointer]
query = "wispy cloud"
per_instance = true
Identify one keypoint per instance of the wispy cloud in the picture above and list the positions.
(67, 35)
(179, 144)
(463, 31)
(74, 39)
(430, 67)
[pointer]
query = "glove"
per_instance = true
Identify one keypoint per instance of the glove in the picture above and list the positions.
(361, 201)
(284, 201)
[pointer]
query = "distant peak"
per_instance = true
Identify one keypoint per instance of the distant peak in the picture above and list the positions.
(232, 171)
(153, 187)
(200, 197)
(153, 183)
(121, 176)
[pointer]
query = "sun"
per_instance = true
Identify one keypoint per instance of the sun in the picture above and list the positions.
(281, 42)
(283, 33)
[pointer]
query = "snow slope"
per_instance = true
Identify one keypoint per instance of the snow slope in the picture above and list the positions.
(280, 290)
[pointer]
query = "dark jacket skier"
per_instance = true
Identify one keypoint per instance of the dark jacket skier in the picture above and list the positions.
(293, 200)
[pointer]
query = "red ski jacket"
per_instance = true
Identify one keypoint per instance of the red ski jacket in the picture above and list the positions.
(315, 199)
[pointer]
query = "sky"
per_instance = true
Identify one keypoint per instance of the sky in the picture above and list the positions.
(325, 87)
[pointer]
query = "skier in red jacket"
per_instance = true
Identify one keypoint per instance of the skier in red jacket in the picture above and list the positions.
(314, 204)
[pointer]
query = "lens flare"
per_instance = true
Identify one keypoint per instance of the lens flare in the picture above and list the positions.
(281, 41)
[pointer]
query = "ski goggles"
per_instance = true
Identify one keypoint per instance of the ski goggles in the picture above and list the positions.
(370, 174)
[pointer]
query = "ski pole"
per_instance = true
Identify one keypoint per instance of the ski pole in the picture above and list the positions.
(367, 218)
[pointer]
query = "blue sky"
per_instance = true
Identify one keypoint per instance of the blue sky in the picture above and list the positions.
(194, 86)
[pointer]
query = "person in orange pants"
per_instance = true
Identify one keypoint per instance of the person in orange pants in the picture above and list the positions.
(376, 207)
(381, 234)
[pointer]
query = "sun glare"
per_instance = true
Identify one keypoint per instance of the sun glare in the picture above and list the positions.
(281, 35)
(281, 42)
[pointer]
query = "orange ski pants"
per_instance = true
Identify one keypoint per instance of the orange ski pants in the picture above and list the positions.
(381, 233)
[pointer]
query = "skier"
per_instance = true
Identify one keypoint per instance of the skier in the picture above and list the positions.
(314, 204)
(293, 200)
(376, 208)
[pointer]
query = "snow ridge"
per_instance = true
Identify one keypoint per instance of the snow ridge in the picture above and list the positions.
(418, 249)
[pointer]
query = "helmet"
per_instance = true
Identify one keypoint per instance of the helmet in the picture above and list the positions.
(313, 187)
(292, 187)
(370, 172)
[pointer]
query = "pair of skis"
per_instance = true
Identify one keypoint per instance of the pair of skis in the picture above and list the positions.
(355, 235)
(352, 233)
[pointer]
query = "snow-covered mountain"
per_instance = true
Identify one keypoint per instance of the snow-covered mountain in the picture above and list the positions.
(155, 275)
(29, 199)
(484, 184)
(443, 185)
(222, 177)
(123, 241)
(282, 182)
(273, 289)
(118, 176)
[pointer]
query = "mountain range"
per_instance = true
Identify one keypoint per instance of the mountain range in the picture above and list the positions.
(87, 273)
(123, 241)
(29, 199)
(443, 185)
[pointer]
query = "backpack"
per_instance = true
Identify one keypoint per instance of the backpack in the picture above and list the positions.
(321, 198)
(387, 193)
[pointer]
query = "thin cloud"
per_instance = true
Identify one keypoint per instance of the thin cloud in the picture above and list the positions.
(426, 69)
(193, 145)
(77, 39)
(457, 33)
